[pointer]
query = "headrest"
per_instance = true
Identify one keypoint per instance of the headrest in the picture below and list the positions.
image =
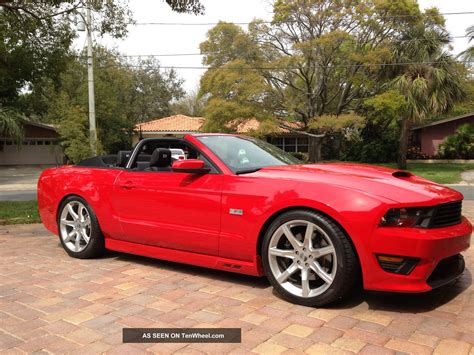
(122, 157)
(161, 157)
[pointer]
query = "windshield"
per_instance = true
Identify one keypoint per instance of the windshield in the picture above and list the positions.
(245, 155)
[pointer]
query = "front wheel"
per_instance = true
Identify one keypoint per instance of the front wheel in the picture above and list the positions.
(308, 258)
(79, 231)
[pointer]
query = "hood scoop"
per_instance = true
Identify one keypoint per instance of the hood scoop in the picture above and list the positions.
(402, 174)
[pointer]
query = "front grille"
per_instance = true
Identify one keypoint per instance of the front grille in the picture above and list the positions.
(447, 214)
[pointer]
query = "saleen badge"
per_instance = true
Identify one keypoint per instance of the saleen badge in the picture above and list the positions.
(236, 211)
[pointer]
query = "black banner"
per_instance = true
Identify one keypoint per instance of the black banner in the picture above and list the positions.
(182, 335)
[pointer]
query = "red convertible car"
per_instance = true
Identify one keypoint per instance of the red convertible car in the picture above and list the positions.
(242, 205)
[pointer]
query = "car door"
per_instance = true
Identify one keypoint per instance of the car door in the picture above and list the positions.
(170, 209)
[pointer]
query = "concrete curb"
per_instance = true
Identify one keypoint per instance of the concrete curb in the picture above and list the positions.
(26, 195)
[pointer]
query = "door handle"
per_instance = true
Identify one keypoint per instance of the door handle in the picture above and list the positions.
(127, 185)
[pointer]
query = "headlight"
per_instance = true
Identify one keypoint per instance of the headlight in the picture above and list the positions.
(407, 217)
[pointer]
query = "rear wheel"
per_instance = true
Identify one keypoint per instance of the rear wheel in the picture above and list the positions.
(79, 231)
(308, 258)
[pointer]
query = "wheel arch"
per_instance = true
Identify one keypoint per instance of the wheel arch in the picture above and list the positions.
(80, 196)
(278, 213)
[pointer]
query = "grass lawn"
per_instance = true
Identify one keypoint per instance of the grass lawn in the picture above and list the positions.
(440, 173)
(18, 212)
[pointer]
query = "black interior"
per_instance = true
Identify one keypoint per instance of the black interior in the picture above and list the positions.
(152, 155)
(144, 160)
(122, 157)
(160, 160)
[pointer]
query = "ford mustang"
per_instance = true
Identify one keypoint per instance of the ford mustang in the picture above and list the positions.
(240, 204)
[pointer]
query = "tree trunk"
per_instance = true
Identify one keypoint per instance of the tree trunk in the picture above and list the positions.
(314, 149)
(403, 147)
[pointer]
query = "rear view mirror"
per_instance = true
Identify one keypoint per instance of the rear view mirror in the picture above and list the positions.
(191, 166)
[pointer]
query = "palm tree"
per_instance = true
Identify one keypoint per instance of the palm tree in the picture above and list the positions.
(428, 77)
(468, 54)
(10, 124)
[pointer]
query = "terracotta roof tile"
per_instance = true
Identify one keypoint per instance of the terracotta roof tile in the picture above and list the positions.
(183, 123)
(176, 123)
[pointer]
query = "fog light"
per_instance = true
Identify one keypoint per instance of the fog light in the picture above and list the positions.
(397, 264)
(390, 259)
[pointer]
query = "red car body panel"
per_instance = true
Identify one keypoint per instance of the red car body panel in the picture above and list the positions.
(186, 217)
(170, 210)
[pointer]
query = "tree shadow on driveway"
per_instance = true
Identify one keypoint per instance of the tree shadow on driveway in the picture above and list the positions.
(408, 302)
(383, 301)
(185, 269)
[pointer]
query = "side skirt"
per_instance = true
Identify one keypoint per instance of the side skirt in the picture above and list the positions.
(209, 261)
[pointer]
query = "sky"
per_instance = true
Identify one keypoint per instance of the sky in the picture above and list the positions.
(154, 39)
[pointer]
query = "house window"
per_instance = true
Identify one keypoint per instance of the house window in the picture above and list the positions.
(291, 144)
(303, 144)
(277, 141)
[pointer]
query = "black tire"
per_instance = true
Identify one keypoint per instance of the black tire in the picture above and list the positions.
(96, 245)
(347, 272)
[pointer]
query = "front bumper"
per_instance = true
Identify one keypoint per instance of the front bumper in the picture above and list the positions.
(436, 250)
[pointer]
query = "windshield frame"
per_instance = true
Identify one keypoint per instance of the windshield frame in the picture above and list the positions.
(265, 146)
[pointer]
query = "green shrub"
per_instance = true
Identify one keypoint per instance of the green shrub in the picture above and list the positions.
(416, 153)
(300, 156)
(376, 146)
(378, 151)
(460, 145)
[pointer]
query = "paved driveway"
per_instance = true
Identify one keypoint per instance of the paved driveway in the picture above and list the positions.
(18, 183)
(52, 303)
(19, 178)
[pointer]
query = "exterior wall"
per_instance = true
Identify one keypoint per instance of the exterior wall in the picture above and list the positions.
(431, 137)
(39, 147)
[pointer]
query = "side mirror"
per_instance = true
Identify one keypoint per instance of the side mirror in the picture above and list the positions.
(191, 166)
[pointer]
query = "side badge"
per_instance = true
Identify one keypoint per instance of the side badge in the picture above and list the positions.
(236, 211)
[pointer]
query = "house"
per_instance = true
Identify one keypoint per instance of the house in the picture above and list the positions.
(429, 136)
(180, 125)
(39, 146)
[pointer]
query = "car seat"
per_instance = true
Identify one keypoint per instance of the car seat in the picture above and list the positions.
(160, 160)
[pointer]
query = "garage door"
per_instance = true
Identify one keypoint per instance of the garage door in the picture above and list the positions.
(32, 153)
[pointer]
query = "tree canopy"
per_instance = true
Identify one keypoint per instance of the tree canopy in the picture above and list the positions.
(35, 54)
(126, 93)
(428, 77)
(468, 54)
(322, 58)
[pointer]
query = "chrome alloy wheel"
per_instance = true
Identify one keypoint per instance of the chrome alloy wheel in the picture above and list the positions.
(302, 258)
(75, 227)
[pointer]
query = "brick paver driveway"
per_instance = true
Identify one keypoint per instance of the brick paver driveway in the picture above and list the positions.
(57, 304)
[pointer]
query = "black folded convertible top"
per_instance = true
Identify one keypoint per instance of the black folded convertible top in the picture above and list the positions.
(103, 161)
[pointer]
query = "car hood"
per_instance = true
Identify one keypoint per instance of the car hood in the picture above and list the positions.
(396, 185)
